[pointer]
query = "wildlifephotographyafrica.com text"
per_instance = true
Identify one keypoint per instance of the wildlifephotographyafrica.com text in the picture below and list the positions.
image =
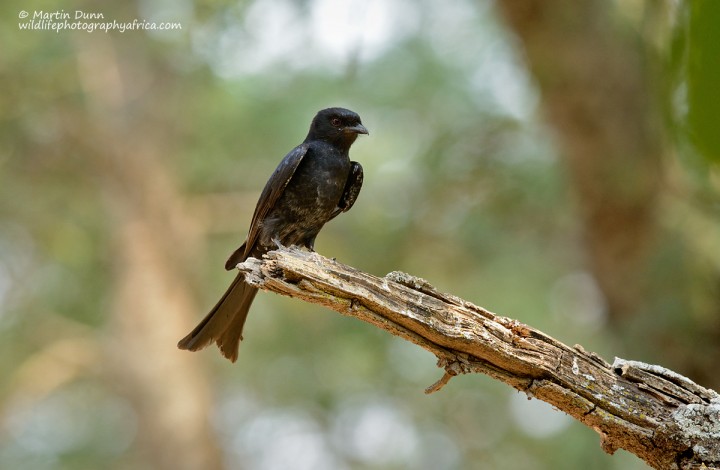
(80, 20)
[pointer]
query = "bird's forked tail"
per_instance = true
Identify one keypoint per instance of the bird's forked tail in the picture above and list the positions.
(224, 323)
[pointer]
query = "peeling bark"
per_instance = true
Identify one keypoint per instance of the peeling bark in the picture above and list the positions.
(662, 417)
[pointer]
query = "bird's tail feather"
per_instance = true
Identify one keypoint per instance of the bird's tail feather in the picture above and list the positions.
(224, 323)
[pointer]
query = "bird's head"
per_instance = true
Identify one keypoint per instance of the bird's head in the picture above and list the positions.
(337, 126)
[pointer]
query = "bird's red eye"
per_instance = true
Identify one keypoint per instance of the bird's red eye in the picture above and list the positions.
(335, 122)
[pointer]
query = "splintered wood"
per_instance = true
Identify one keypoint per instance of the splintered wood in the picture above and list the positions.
(659, 415)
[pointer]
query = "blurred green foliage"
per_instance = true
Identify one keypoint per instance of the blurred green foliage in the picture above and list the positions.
(702, 74)
(463, 187)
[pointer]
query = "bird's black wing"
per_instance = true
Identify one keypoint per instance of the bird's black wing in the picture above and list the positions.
(269, 196)
(351, 191)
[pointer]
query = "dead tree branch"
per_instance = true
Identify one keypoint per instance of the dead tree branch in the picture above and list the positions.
(662, 417)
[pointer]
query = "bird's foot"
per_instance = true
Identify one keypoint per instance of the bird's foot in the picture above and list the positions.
(278, 243)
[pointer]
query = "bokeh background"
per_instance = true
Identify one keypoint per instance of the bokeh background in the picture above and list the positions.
(555, 161)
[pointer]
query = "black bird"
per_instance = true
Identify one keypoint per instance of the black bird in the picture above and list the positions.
(314, 183)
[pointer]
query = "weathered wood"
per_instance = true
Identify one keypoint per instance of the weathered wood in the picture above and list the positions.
(659, 415)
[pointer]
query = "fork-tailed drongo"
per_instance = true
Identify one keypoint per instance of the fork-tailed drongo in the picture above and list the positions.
(314, 183)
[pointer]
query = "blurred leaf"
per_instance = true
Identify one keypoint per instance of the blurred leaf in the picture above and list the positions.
(703, 76)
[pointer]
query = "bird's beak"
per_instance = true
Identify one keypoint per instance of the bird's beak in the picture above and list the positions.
(359, 129)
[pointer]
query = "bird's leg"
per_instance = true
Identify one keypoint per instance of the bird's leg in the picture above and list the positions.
(307, 245)
(310, 245)
(278, 243)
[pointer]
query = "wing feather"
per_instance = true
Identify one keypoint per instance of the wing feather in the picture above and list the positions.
(269, 196)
